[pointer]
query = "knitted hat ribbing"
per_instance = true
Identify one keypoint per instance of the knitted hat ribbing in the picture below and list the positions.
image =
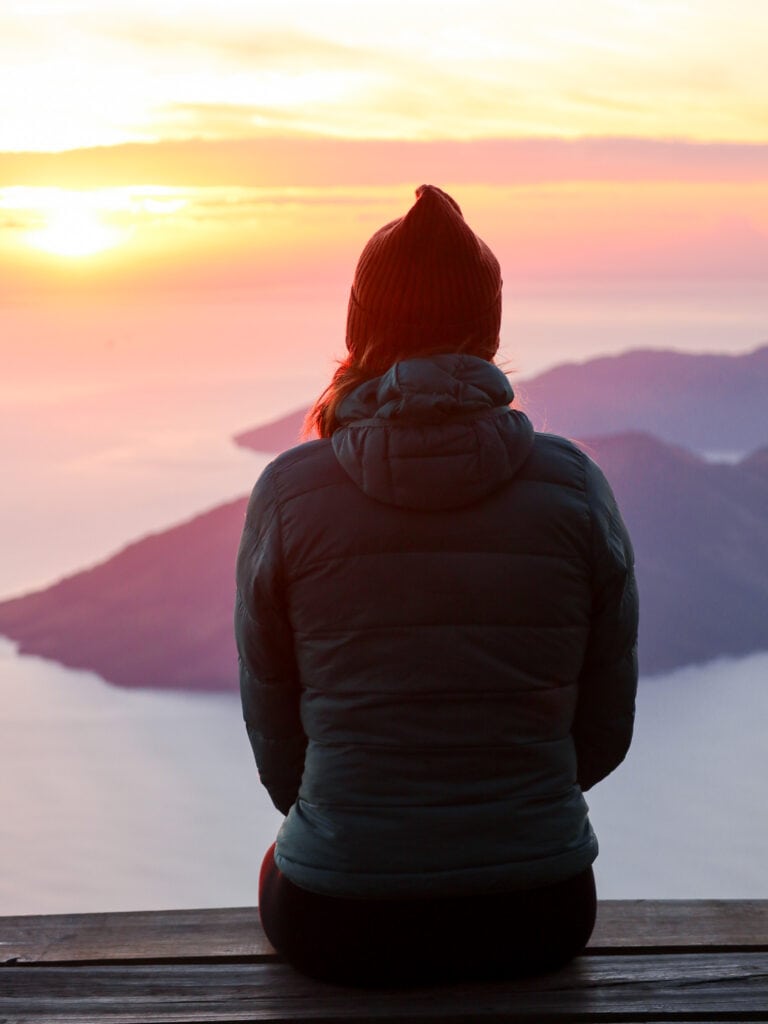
(425, 282)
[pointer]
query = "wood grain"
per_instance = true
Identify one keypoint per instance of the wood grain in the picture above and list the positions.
(677, 925)
(232, 933)
(703, 986)
(211, 935)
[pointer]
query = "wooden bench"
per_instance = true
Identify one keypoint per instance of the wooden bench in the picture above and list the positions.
(651, 961)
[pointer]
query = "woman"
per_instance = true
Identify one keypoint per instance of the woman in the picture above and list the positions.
(436, 622)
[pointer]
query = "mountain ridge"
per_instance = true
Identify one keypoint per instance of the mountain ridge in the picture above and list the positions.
(669, 393)
(159, 612)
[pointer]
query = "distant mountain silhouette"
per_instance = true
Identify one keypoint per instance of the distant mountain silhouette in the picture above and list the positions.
(710, 403)
(159, 613)
(276, 435)
(757, 462)
(700, 532)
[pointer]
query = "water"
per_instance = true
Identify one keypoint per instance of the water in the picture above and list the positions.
(123, 799)
(684, 816)
(131, 799)
(86, 473)
(78, 509)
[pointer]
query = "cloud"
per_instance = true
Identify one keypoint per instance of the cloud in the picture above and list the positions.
(497, 70)
(601, 102)
(306, 161)
(18, 223)
(268, 47)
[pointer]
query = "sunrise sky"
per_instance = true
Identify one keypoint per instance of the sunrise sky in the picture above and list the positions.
(95, 74)
(185, 188)
(236, 148)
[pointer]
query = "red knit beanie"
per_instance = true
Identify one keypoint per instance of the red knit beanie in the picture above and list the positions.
(425, 283)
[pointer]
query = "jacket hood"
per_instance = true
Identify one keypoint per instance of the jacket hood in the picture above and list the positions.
(433, 433)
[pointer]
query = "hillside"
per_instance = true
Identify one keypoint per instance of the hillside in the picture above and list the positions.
(274, 436)
(710, 403)
(700, 533)
(159, 613)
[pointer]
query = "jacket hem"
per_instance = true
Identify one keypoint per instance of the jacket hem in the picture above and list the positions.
(507, 877)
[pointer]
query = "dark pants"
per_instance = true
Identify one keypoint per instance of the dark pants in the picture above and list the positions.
(418, 941)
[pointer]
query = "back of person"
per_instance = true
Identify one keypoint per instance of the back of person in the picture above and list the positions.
(437, 628)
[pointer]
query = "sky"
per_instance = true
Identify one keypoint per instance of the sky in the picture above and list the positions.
(185, 188)
(92, 74)
(197, 152)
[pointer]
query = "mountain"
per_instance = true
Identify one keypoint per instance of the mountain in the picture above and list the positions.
(159, 613)
(757, 462)
(710, 403)
(275, 436)
(700, 533)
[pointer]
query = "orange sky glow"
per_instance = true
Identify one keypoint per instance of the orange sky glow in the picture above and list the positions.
(185, 188)
(236, 148)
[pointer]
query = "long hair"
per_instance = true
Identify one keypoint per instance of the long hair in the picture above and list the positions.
(321, 418)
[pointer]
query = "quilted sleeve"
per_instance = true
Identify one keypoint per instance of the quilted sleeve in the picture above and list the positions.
(269, 684)
(605, 709)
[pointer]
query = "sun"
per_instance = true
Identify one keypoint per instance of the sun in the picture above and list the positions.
(74, 226)
(75, 236)
(76, 233)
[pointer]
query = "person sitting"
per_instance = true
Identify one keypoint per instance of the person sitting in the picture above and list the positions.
(436, 621)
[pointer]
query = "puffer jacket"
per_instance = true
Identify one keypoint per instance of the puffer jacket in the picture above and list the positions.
(436, 621)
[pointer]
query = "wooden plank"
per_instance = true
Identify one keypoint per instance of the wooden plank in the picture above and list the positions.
(677, 925)
(704, 986)
(232, 933)
(623, 926)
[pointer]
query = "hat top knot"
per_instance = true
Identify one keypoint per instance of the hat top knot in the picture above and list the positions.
(432, 192)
